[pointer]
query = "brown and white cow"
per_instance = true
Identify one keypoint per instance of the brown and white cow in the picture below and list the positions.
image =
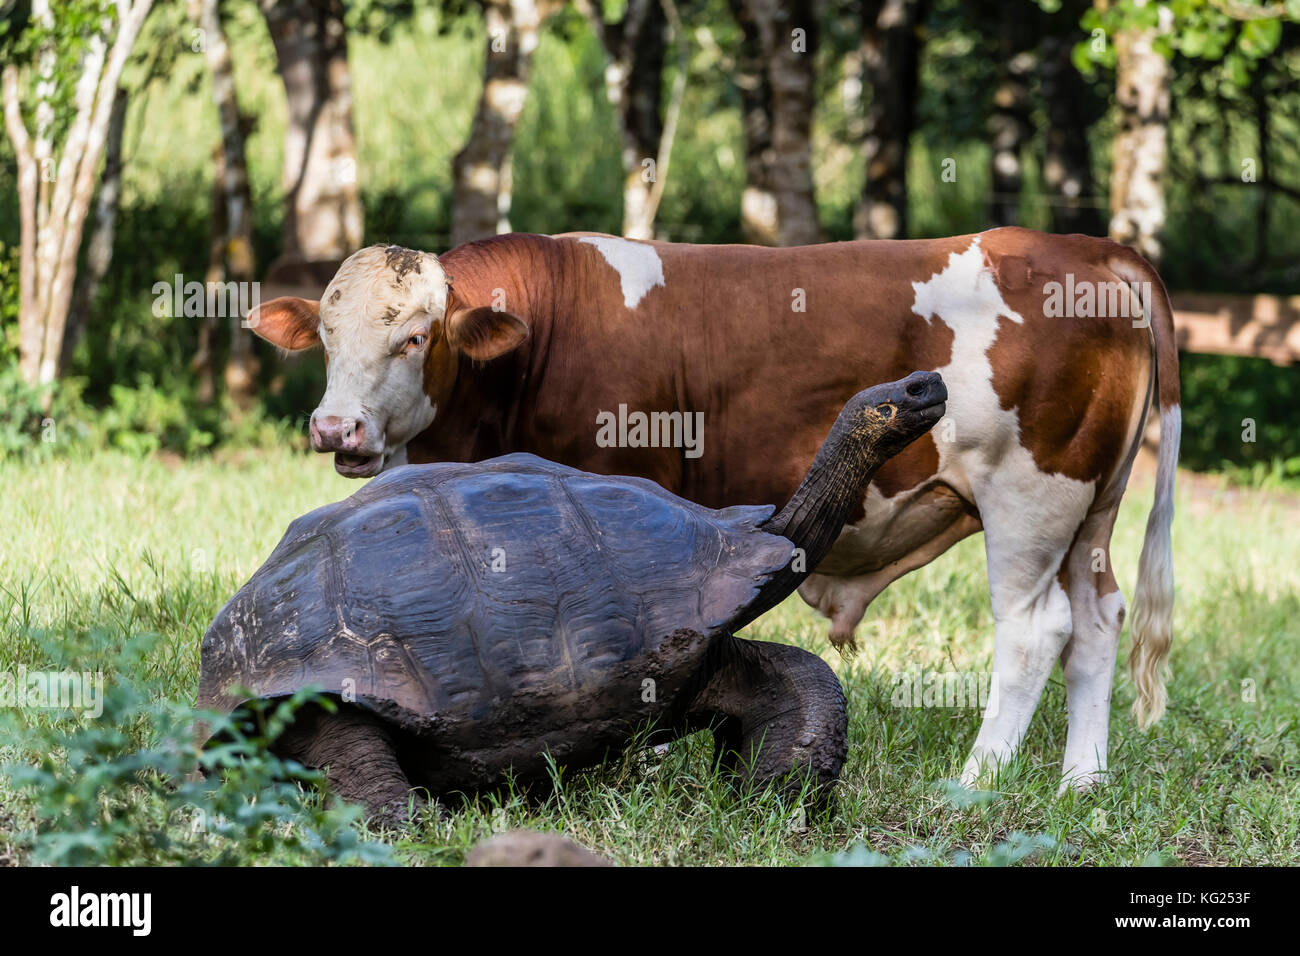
(520, 342)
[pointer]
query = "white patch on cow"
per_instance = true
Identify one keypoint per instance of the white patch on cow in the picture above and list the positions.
(396, 460)
(638, 266)
(1029, 517)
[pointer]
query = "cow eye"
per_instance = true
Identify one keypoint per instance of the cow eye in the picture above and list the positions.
(416, 341)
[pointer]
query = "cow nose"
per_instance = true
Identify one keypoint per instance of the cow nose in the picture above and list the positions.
(331, 433)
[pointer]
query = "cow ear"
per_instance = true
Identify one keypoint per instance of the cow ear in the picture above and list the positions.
(288, 322)
(484, 333)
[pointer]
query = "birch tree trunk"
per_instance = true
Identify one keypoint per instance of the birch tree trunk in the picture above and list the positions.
(99, 250)
(1137, 202)
(322, 205)
(776, 76)
(482, 181)
(54, 193)
(891, 57)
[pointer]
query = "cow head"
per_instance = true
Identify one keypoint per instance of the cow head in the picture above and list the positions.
(393, 332)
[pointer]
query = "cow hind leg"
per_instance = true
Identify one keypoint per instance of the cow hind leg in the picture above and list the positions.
(1097, 611)
(1027, 532)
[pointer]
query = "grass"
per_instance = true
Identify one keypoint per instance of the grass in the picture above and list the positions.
(121, 547)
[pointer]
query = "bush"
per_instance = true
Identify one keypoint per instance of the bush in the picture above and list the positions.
(1224, 398)
(119, 789)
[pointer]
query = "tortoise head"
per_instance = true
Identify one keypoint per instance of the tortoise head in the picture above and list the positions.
(885, 419)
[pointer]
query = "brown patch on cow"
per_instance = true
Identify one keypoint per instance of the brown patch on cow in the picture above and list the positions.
(390, 315)
(1074, 410)
(335, 296)
(402, 261)
(1010, 272)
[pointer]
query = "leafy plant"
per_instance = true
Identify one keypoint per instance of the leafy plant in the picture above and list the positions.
(122, 788)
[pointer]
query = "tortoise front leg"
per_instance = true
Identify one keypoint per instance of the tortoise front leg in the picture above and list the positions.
(775, 710)
(358, 757)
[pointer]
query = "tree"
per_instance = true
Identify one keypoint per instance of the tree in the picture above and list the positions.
(92, 41)
(231, 257)
(1146, 36)
(891, 55)
(636, 47)
(99, 249)
(1072, 108)
(775, 75)
(322, 204)
(1009, 125)
(1142, 72)
(482, 183)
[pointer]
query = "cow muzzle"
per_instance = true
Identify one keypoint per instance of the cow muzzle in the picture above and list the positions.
(349, 440)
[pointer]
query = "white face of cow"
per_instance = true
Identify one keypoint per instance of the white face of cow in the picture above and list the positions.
(376, 320)
(380, 316)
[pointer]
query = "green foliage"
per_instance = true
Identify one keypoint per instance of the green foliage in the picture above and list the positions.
(1016, 848)
(1222, 397)
(1198, 29)
(121, 787)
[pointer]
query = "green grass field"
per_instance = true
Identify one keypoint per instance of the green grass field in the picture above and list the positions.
(118, 547)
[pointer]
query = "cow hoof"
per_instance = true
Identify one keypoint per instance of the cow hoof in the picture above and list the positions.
(1081, 782)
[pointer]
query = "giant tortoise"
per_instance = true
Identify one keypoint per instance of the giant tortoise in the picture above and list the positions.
(477, 620)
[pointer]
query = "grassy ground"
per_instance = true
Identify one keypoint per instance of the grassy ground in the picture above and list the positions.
(119, 547)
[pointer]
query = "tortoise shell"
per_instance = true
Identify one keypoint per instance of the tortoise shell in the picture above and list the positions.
(492, 599)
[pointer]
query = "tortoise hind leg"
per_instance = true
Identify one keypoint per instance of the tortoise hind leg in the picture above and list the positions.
(776, 710)
(358, 757)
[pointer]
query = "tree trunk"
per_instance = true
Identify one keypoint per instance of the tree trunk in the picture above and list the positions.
(1009, 125)
(204, 363)
(99, 251)
(891, 56)
(1137, 202)
(776, 76)
(1067, 157)
(233, 195)
(322, 205)
(54, 199)
(482, 175)
(636, 48)
(758, 218)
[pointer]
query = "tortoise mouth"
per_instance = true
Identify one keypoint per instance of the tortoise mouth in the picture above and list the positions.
(934, 412)
(357, 466)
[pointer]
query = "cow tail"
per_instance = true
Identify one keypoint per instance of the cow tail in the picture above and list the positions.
(1152, 630)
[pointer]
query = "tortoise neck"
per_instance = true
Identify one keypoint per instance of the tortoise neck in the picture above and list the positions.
(815, 515)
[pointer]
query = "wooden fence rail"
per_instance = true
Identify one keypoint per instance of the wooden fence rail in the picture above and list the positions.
(1259, 326)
